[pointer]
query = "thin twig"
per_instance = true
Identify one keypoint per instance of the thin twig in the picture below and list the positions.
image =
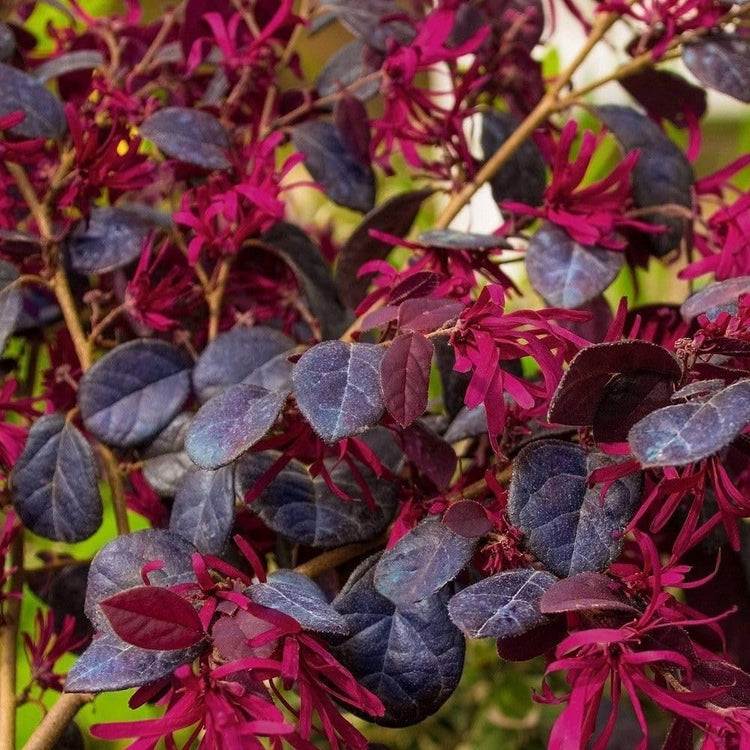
(114, 477)
(335, 557)
(57, 719)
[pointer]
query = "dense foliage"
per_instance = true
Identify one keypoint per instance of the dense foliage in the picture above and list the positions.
(354, 448)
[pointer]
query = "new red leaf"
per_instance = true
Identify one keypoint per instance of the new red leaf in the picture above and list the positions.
(405, 376)
(153, 617)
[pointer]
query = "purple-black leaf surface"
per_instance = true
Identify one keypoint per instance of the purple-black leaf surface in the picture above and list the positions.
(568, 526)
(364, 19)
(337, 387)
(721, 296)
(344, 68)
(505, 604)
(299, 597)
(231, 422)
(422, 562)
(188, 135)
(11, 301)
(54, 482)
(566, 273)
(722, 62)
(203, 509)
(165, 461)
(134, 391)
(45, 117)
(410, 657)
(683, 433)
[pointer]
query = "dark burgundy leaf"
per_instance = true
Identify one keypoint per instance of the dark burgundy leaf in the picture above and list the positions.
(523, 177)
(683, 433)
(566, 273)
(422, 562)
(234, 355)
(584, 592)
(134, 391)
(231, 422)
(467, 518)
(680, 735)
(363, 19)
(307, 511)
(567, 525)
(719, 673)
(45, 117)
(395, 217)
(189, 135)
(301, 598)
(451, 239)
(722, 62)
(410, 657)
(666, 95)
(69, 62)
(153, 618)
(345, 68)
(11, 301)
(430, 454)
(111, 664)
(337, 387)
(118, 565)
(54, 482)
(503, 605)
(426, 314)
(419, 284)
(405, 376)
(661, 176)
(715, 298)
(165, 459)
(203, 509)
(612, 385)
(351, 120)
(334, 167)
(112, 238)
(534, 642)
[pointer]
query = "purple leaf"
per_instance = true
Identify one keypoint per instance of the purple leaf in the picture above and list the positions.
(165, 461)
(11, 301)
(452, 239)
(612, 385)
(426, 314)
(188, 135)
(45, 117)
(467, 423)
(111, 664)
(533, 642)
(567, 525)
(566, 273)
(430, 454)
(422, 562)
(351, 120)
(363, 19)
(715, 298)
(134, 391)
(722, 62)
(54, 482)
(344, 68)
(395, 217)
(234, 355)
(117, 567)
(405, 376)
(505, 604)
(231, 422)
(203, 509)
(334, 167)
(584, 592)
(467, 518)
(299, 597)
(683, 433)
(523, 177)
(153, 618)
(410, 657)
(337, 387)
(69, 62)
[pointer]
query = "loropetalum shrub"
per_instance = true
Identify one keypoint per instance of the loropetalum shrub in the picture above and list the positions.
(329, 528)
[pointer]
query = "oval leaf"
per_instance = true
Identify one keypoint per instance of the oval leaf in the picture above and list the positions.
(421, 562)
(11, 301)
(133, 392)
(721, 62)
(235, 355)
(683, 433)
(584, 592)
(45, 117)
(503, 605)
(203, 510)
(405, 376)
(411, 658)
(715, 298)
(299, 597)
(344, 68)
(566, 273)
(188, 135)
(54, 482)
(165, 461)
(567, 524)
(337, 387)
(343, 177)
(468, 518)
(227, 425)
